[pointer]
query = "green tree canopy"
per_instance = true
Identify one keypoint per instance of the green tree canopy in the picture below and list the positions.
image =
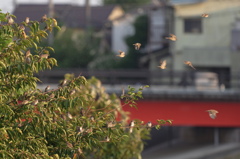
(75, 49)
(76, 120)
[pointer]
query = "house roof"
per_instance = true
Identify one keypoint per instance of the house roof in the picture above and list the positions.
(71, 16)
(179, 2)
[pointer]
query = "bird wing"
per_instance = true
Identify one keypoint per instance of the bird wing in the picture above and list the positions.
(172, 35)
(164, 63)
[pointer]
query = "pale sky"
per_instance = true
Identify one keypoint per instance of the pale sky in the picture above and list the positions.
(7, 5)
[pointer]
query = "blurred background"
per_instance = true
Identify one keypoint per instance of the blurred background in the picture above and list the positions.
(93, 31)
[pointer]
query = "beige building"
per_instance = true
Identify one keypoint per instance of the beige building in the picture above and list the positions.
(210, 43)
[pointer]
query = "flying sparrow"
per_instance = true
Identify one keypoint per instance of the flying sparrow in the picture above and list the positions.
(189, 64)
(205, 15)
(172, 37)
(163, 64)
(137, 46)
(212, 113)
(121, 53)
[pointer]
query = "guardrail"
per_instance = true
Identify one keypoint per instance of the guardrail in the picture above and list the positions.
(156, 77)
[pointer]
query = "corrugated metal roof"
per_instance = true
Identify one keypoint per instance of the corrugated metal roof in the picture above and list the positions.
(177, 2)
(72, 16)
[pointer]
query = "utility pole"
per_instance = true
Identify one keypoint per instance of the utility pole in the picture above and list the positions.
(14, 2)
(87, 14)
(50, 14)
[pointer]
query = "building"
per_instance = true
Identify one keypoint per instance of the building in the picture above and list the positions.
(75, 17)
(209, 43)
(159, 15)
(71, 16)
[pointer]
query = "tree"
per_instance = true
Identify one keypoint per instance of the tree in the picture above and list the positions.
(76, 120)
(73, 49)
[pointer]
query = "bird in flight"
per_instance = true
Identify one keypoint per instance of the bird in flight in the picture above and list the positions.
(172, 37)
(189, 64)
(205, 15)
(163, 64)
(137, 46)
(212, 113)
(121, 53)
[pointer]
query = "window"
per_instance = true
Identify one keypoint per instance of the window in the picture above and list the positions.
(193, 25)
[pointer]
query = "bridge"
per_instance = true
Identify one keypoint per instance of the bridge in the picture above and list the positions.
(167, 98)
(179, 96)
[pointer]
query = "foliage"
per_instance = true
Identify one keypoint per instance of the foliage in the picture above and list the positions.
(75, 49)
(76, 120)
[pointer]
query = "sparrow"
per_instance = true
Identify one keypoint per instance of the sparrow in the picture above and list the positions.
(69, 145)
(110, 124)
(212, 113)
(137, 46)
(63, 83)
(80, 151)
(205, 15)
(10, 20)
(163, 64)
(24, 35)
(69, 115)
(35, 102)
(189, 64)
(28, 53)
(72, 92)
(121, 53)
(92, 119)
(132, 124)
(47, 88)
(27, 20)
(44, 18)
(90, 130)
(52, 95)
(107, 139)
(79, 129)
(22, 27)
(149, 125)
(44, 56)
(172, 37)
(25, 102)
(27, 58)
